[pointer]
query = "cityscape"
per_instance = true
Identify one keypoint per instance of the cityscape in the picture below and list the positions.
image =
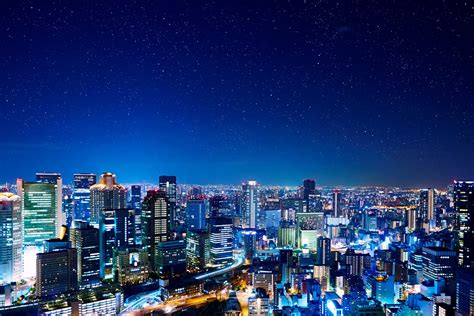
(237, 158)
(100, 247)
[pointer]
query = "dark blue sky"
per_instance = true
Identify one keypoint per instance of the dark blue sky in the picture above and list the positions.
(221, 92)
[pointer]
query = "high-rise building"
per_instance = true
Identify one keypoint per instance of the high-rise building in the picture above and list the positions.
(156, 223)
(411, 218)
(249, 204)
(85, 239)
(221, 240)
(426, 206)
(11, 252)
(309, 188)
(259, 303)
(196, 211)
(56, 269)
(81, 195)
(131, 266)
(167, 184)
(116, 231)
(197, 250)
(106, 194)
(323, 252)
(336, 203)
(171, 259)
(42, 210)
(290, 207)
(135, 199)
(464, 207)
(438, 263)
(355, 262)
(465, 291)
(48, 177)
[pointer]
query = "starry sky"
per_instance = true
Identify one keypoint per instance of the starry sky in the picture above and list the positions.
(348, 93)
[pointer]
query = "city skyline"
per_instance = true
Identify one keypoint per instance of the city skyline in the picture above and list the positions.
(343, 93)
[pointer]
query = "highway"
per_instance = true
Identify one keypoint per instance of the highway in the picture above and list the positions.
(152, 300)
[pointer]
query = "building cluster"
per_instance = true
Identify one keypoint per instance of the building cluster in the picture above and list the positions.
(95, 245)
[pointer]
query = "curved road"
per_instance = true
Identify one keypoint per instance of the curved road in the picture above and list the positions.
(137, 301)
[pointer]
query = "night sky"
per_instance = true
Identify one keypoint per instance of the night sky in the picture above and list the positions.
(220, 92)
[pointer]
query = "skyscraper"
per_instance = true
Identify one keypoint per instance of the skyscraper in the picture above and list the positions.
(42, 211)
(221, 240)
(11, 252)
(168, 185)
(336, 203)
(135, 199)
(171, 259)
(81, 194)
(309, 188)
(85, 239)
(465, 291)
(56, 269)
(196, 211)
(464, 207)
(249, 204)
(426, 208)
(107, 194)
(440, 262)
(156, 223)
(323, 252)
(117, 232)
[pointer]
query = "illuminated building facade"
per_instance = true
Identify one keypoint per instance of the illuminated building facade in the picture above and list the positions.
(106, 194)
(249, 204)
(156, 224)
(221, 240)
(81, 194)
(464, 207)
(85, 239)
(41, 210)
(11, 252)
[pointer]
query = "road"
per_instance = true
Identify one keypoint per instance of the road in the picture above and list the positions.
(150, 301)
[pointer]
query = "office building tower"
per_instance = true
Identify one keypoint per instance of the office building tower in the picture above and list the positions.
(309, 188)
(426, 207)
(259, 303)
(370, 220)
(355, 262)
(131, 266)
(411, 219)
(221, 240)
(167, 184)
(156, 223)
(220, 206)
(465, 291)
(323, 251)
(336, 203)
(81, 195)
(196, 211)
(85, 239)
(438, 263)
(249, 238)
(116, 231)
(56, 269)
(106, 194)
(287, 234)
(42, 210)
(464, 207)
(290, 207)
(171, 259)
(135, 199)
(48, 177)
(197, 250)
(11, 252)
(249, 204)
